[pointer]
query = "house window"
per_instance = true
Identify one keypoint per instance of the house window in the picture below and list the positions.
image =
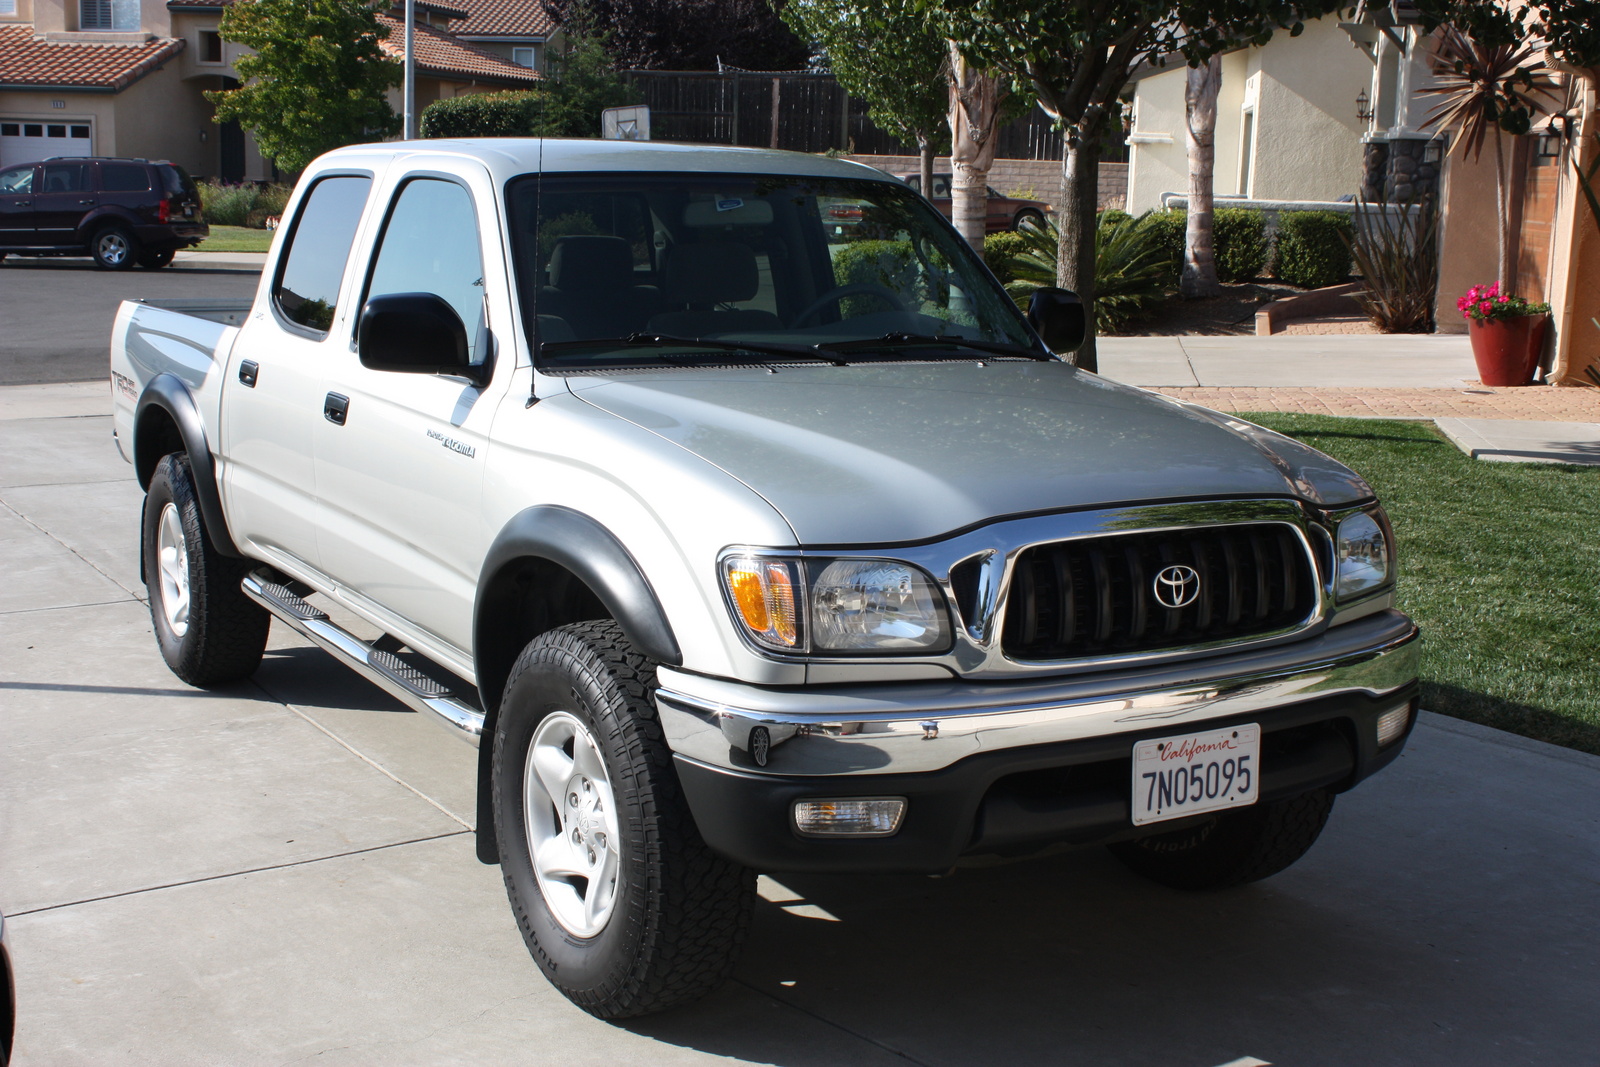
(8, 7)
(1247, 152)
(526, 57)
(210, 46)
(118, 15)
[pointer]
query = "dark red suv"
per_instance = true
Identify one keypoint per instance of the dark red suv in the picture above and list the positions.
(120, 211)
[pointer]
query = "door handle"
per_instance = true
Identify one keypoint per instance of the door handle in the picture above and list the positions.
(248, 371)
(335, 407)
(86, 203)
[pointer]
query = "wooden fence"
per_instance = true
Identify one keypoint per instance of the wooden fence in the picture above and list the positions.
(800, 112)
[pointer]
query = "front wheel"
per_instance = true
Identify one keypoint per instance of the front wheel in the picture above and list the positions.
(1028, 217)
(209, 631)
(1231, 848)
(620, 901)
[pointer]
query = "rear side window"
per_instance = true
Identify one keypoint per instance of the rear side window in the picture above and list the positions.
(307, 289)
(123, 178)
(176, 181)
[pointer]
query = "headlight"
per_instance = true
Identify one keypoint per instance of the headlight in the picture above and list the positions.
(1364, 557)
(840, 605)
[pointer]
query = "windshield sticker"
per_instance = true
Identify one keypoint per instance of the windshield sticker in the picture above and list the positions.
(730, 204)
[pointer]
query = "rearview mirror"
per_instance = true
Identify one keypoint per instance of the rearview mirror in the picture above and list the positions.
(1057, 316)
(418, 333)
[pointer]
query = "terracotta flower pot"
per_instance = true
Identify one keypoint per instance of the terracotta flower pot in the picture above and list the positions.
(1507, 350)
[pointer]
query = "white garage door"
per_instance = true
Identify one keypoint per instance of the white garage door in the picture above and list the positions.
(22, 141)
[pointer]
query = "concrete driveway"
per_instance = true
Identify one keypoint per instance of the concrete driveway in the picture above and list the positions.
(282, 872)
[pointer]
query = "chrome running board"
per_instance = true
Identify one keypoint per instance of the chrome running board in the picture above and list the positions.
(384, 669)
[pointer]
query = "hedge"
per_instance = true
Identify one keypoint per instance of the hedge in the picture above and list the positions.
(1312, 250)
(515, 114)
(1240, 243)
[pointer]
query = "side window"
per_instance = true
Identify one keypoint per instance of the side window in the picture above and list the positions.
(123, 178)
(307, 288)
(17, 180)
(63, 178)
(430, 245)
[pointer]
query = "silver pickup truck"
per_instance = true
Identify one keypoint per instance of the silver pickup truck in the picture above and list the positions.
(745, 541)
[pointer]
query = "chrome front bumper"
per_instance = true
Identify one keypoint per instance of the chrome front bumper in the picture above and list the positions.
(920, 727)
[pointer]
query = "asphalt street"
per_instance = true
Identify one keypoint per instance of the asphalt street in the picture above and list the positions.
(56, 314)
(281, 871)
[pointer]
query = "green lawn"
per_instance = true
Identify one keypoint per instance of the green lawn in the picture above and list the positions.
(1499, 564)
(235, 239)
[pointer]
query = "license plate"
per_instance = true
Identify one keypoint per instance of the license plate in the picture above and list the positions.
(1194, 773)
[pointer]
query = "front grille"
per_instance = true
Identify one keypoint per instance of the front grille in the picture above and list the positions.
(1097, 596)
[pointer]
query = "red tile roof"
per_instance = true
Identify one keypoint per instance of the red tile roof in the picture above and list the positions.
(26, 63)
(440, 54)
(506, 18)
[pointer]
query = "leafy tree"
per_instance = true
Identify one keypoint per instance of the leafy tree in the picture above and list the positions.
(693, 34)
(1076, 56)
(316, 81)
(888, 54)
(585, 79)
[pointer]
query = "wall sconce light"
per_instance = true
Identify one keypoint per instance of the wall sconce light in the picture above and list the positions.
(1560, 125)
(1364, 110)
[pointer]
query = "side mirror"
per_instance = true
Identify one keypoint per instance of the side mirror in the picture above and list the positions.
(1057, 316)
(417, 333)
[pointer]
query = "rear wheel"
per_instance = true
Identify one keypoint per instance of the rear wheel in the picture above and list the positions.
(114, 248)
(1232, 848)
(1029, 216)
(620, 901)
(155, 260)
(208, 630)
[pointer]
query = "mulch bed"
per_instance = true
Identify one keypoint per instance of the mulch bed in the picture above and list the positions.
(1231, 314)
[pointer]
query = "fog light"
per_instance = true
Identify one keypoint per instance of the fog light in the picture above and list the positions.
(852, 817)
(1392, 723)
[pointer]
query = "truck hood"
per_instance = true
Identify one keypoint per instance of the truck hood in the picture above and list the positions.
(885, 453)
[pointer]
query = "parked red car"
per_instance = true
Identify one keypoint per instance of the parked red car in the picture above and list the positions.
(1005, 212)
(120, 211)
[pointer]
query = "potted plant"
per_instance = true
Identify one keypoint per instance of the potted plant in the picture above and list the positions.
(1507, 334)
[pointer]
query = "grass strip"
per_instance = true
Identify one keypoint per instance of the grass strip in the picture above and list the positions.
(1499, 565)
(235, 239)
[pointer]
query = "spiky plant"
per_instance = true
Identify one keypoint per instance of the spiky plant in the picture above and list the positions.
(1131, 274)
(1487, 90)
(1397, 253)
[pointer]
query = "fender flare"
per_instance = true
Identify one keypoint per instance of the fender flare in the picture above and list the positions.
(167, 392)
(101, 216)
(593, 554)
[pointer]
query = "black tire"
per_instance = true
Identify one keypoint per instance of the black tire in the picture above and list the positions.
(222, 634)
(114, 248)
(156, 260)
(679, 913)
(1030, 216)
(1232, 848)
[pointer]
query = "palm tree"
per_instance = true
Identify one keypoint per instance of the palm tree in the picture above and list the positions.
(1487, 89)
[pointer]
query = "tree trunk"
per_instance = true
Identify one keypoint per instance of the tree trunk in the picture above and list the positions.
(925, 151)
(1199, 276)
(1503, 209)
(1080, 201)
(975, 99)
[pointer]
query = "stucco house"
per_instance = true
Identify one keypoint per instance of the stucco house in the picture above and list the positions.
(126, 77)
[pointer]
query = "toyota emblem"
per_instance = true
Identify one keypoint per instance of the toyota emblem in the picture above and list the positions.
(1176, 586)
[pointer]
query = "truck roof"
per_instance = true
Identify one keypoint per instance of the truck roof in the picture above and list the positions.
(506, 157)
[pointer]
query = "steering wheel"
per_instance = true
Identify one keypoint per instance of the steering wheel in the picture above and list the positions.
(892, 298)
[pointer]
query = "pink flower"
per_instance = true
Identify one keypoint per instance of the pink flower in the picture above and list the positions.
(1484, 307)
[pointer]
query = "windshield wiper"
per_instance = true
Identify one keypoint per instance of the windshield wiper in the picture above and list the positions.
(656, 340)
(897, 340)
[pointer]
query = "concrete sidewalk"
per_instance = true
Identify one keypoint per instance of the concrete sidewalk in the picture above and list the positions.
(192, 260)
(282, 870)
(1368, 376)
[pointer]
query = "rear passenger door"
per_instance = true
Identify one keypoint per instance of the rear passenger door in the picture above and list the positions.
(281, 374)
(400, 478)
(64, 195)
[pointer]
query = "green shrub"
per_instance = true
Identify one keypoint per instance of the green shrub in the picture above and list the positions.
(886, 263)
(1312, 250)
(1164, 230)
(998, 249)
(1111, 215)
(517, 114)
(1131, 272)
(242, 205)
(1240, 243)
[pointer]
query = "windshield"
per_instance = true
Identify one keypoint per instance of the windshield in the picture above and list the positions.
(628, 269)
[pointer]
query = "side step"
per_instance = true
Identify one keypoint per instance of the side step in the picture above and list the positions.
(384, 669)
